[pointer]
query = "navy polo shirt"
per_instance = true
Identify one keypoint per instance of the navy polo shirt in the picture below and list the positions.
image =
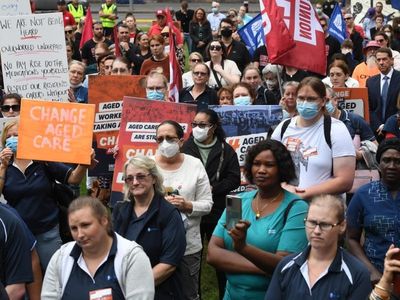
(208, 97)
(346, 279)
(356, 124)
(30, 193)
(81, 283)
(391, 126)
(15, 254)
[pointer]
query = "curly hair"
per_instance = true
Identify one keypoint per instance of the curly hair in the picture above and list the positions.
(282, 155)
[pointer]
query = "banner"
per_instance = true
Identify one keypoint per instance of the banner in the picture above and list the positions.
(245, 126)
(396, 4)
(337, 26)
(354, 100)
(294, 36)
(15, 7)
(87, 32)
(34, 60)
(55, 131)
(106, 93)
(252, 34)
(140, 119)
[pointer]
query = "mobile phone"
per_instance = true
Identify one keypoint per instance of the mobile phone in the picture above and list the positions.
(233, 211)
(396, 277)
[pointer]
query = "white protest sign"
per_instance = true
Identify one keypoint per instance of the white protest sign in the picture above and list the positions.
(15, 7)
(33, 56)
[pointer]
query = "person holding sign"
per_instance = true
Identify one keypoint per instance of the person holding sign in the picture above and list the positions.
(270, 228)
(148, 219)
(99, 264)
(189, 191)
(28, 187)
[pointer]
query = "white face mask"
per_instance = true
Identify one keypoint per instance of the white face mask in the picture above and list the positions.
(200, 134)
(168, 149)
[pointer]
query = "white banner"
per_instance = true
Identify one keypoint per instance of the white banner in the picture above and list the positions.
(34, 60)
(14, 7)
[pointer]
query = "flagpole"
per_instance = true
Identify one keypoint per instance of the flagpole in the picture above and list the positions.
(279, 80)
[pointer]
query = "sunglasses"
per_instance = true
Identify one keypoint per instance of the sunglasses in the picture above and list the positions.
(165, 34)
(198, 74)
(348, 18)
(69, 31)
(215, 47)
(14, 107)
(169, 139)
(131, 178)
(195, 60)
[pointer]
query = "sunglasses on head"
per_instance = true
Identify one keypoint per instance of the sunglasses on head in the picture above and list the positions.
(14, 107)
(215, 47)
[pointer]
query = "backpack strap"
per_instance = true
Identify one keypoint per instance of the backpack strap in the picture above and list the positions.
(285, 125)
(288, 208)
(327, 130)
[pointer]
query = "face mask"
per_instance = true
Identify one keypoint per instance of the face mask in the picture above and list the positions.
(285, 115)
(226, 32)
(307, 110)
(318, 10)
(154, 95)
(200, 134)
(214, 10)
(271, 84)
(242, 100)
(330, 108)
(168, 149)
(12, 143)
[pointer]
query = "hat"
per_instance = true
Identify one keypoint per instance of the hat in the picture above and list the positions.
(61, 2)
(161, 12)
(371, 44)
(371, 12)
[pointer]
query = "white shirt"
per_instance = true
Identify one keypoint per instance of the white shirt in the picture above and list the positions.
(214, 20)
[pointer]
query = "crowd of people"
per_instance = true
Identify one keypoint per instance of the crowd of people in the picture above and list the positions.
(305, 230)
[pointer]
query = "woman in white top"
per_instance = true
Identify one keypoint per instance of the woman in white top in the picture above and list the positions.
(188, 189)
(223, 71)
(321, 146)
(339, 76)
(187, 78)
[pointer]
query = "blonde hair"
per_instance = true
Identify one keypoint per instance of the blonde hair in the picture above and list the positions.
(334, 201)
(6, 128)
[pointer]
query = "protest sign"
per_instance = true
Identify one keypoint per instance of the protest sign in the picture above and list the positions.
(34, 60)
(55, 131)
(15, 7)
(245, 126)
(106, 93)
(354, 100)
(140, 118)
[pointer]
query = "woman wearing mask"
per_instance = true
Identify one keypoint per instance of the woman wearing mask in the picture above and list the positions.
(207, 143)
(270, 75)
(28, 187)
(189, 190)
(223, 71)
(200, 31)
(199, 93)
(187, 78)
(288, 101)
(243, 94)
(251, 75)
(156, 86)
(321, 146)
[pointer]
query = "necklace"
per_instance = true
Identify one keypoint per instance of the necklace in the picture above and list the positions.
(259, 211)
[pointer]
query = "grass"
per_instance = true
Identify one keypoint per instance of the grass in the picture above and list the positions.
(209, 285)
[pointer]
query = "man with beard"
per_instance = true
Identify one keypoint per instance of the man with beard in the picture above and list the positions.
(368, 67)
(235, 50)
(88, 48)
(128, 49)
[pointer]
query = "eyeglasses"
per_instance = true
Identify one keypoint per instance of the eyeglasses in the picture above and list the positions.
(311, 224)
(69, 31)
(215, 47)
(198, 74)
(200, 125)
(169, 139)
(139, 177)
(195, 60)
(14, 107)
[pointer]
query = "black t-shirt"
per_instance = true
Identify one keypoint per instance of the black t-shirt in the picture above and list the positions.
(261, 56)
(328, 7)
(185, 19)
(298, 76)
(208, 97)
(88, 51)
(238, 52)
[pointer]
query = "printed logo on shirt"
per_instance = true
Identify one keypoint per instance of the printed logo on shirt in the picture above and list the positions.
(103, 294)
(299, 153)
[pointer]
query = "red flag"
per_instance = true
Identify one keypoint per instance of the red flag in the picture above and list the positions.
(87, 32)
(305, 30)
(116, 42)
(175, 76)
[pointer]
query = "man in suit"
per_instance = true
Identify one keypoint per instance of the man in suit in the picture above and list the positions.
(383, 90)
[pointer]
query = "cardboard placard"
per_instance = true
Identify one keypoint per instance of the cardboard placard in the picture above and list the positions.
(55, 131)
(15, 7)
(34, 57)
(354, 100)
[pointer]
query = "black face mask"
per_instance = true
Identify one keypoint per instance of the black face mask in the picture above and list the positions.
(226, 32)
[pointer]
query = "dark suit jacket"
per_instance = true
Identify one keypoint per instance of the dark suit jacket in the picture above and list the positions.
(375, 99)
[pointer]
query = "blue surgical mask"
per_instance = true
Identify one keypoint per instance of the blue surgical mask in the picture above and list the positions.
(330, 108)
(214, 10)
(12, 143)
(155, 95)
(242, 100)
(307, 110)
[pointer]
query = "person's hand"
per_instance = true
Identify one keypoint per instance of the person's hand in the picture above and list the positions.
(392, 264)
(124, 45)
(288, 187)
(238, 234)
(5, 156)
(218, 68)
(379, 130)
(71, 95)
(93, 160)
(114, 150)
(180, 203)
(359, 155)
(200, 44)
(375, 277)
(236, 36)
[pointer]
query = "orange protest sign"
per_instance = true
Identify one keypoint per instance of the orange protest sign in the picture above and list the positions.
(55, 131)
(354, 100)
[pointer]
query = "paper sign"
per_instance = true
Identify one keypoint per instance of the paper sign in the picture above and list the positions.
(55, 131)
(354, 100)
(33, 55)
(15, 7)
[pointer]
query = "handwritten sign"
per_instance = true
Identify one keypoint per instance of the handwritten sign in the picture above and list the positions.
(15, 7)
(55, 131)
(354, 100)
(33, 55)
